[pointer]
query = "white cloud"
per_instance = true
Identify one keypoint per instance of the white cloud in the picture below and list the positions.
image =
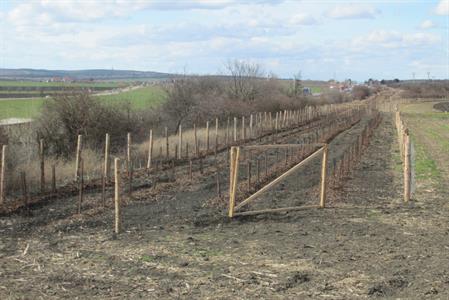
(442, 8)
(303, 19)
(427, 24)
(394, 39)
(352, 11)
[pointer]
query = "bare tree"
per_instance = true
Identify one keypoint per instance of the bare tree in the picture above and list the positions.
(297, 84)
(244, 79)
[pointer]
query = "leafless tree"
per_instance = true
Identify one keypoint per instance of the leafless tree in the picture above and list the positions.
(244, 79)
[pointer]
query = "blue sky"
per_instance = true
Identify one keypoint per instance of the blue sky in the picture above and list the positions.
(322, 39)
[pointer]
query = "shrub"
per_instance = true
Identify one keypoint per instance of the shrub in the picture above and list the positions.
(361, 92)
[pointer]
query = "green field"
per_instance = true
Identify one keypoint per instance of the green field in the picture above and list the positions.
(29, 108)
(429, 130)
(139, 98)
(38, 84)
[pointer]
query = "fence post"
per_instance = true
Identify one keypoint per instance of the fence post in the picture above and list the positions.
(243, 129)
(78, 155)
(2, 175)
(207, 136)
(107, 165)
(167, 146)
(197, 152)
(251, 126)
(117, 226)
(235, 129)
(150, 150)
(180, 142)
(42, 164)
(407, 166)
(234, 177)
(216, 135)
(323, 177)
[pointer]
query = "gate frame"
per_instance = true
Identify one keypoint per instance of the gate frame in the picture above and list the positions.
(234, 168)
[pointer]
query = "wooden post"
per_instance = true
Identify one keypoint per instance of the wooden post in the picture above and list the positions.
(227, 132)
(216, 135)
(207, 136)
(251, 126)
(407, 166)
(150, 151)
(323, 177)
(243, 129)
(249, 175)
(117, 226)
(167, 146)
(2, 175)
(128, 152)
(235, 169)
(81, 186)
(197, 152)
(180, 142)
(235, 129)
(107, 165)
(53, 179)
(231, 169)
(78, 155)
(42, 164)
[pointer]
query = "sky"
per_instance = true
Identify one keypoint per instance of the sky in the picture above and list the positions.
(320, 39)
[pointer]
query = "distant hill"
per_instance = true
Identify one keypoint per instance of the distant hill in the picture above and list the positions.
(95, 74)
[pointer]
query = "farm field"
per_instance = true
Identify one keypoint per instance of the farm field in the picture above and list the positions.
(30, 108)
(429, 129)
(4, 84)
(365, 244)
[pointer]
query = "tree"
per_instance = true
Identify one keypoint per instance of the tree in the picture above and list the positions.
(297, 85)
(244, 79)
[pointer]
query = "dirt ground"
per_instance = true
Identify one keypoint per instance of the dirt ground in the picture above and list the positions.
(366, 244)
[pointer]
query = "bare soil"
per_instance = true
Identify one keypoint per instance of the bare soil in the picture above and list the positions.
(366, 244)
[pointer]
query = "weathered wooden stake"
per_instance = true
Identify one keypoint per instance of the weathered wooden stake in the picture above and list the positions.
(2, 175)
(249, 175)
(128, 152)
(251, 126)
(197, 151)
(207, 136)
(180, 142)
(150, 150)
(107, 165)
(42, 164)
(216, 135)
(407, 166)
(79, 146)
(243, 129)
(323, 177)
(117, 227)
(235, 129)
(167, 146)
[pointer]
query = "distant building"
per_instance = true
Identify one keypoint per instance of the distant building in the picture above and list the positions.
(306, 91)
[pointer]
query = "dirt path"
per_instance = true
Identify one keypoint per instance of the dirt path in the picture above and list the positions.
(366, 245)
